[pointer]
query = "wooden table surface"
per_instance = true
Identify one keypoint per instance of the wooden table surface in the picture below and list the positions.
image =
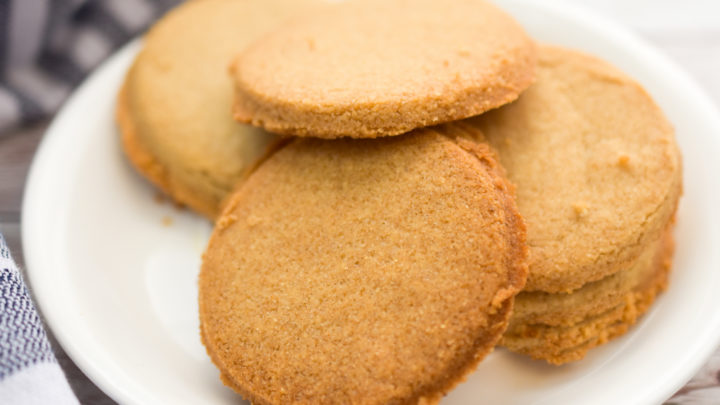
(688, 32)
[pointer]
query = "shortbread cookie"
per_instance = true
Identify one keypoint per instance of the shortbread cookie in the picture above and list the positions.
(362, 271)
(370, 68)
(561, 343)
(595, 298)
(174, 110)
(596, 166)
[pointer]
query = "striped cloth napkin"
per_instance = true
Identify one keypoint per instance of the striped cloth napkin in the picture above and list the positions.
(29, 372)
(46, 48)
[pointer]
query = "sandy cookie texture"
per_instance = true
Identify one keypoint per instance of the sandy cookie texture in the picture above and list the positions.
(559, 341)
(598, 178)
(174, 109)
(362, 271)
(596, 166)
(371, 68)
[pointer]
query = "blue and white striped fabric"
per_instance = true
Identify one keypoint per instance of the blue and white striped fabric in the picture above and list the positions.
(48, 46)
(29, 372)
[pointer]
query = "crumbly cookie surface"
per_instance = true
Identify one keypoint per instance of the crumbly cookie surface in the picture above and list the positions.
(174, 111)
(597, 169)
(595, 298)
(559, 343)
(371, 68)
(362, 271)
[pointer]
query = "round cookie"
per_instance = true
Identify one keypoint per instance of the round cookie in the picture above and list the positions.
(362, 271)
(370, 68)
(596, 166)
(562, 343)
(174, 110)
(563, 309)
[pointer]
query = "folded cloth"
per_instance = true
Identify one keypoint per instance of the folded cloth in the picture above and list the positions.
(29, 372)
(47, 48)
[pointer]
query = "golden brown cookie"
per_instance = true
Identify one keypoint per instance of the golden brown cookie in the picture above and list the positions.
(174, 110)
(370, 68)
(362, 271)
(565, 309)
(560, 343)
(596, 166)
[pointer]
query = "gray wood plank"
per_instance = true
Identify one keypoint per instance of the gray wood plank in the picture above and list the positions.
(11, 233)
(16, 152)
(704, 388)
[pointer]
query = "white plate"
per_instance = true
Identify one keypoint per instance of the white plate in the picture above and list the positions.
(118, 286)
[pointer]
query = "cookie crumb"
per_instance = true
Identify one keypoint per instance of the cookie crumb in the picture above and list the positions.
(225, 221)
(580, 209)
(253, 220)
(167, 221)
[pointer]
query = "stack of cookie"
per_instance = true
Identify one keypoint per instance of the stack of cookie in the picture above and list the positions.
(388, 179)
(598, 180)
